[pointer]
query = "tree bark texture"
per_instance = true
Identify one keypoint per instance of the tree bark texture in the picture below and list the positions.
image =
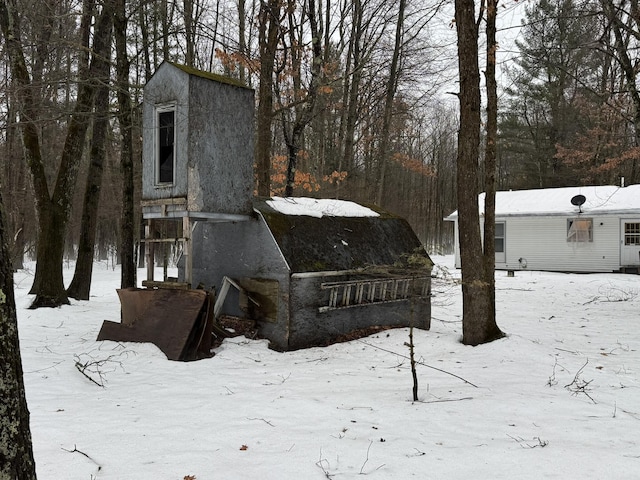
(490, 157)
(125, 120)
(391, 88)
(478, 327)
(268, 35)
(16, 452)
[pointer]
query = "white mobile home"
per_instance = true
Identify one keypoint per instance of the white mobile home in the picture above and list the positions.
(571, 229)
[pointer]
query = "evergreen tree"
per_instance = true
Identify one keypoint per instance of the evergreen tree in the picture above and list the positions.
(558, 68)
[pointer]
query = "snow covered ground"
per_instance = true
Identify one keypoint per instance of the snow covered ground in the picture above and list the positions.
(558, 398)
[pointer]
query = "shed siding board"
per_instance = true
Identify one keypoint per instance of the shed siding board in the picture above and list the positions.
(221, 147)
(542, 242)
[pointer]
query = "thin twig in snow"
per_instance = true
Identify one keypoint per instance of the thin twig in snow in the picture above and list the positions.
(75, 450)
(320, 463)
(578, 385)
(367, 459)
(265, 421)
(419, 363)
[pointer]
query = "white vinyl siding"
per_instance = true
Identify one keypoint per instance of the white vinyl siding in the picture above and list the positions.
(541, 243)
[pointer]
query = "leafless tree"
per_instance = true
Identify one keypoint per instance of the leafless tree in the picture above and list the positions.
(478, 319)
(54, 207)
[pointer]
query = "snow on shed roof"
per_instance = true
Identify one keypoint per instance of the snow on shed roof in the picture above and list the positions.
(600, 200)
(319, 207)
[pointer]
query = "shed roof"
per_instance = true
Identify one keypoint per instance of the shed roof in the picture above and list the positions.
(208, 75)
(600, 200)
(338, 242)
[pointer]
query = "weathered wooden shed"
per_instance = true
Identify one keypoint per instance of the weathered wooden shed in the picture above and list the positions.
(569, 229)
(305, 277)
(308, 279)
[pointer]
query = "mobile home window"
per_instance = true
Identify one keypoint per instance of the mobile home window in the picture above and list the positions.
(580, 230)
(499, 240)
(166, 145)
(632, 233)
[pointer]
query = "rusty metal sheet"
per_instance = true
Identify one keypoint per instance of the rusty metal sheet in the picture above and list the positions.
(177, 321)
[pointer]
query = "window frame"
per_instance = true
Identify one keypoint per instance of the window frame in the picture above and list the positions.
(502, 237)
(158, 111)
(574, 234)
(631, 236)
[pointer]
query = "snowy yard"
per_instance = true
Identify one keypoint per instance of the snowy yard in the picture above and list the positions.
(558, 398)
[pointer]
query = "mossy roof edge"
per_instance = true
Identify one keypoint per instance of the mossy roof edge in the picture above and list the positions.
(210, 76)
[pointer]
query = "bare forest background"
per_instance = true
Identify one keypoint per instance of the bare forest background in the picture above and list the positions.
(354, 100)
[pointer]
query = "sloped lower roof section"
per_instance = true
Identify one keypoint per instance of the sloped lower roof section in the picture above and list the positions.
(600, 200)
(337, 242)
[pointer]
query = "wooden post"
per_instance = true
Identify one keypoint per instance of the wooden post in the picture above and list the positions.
(149, 249)
(187, 249)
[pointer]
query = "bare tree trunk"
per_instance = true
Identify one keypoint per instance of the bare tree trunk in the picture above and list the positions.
(164, 16)
(490, 158)
(16, 452)
(81, 283)
(189, 33)
(269, 28)
(127, 219)
(144, 33)
(242, 40)
(350, 97)
(304, 115)
(392, 85)
(478, 327)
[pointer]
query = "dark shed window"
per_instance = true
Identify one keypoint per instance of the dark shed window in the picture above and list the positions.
(166, 146)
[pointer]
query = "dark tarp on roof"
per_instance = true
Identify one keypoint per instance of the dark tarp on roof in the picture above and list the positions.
(311, 244)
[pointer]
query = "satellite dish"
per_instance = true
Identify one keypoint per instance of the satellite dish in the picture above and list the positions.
(578, 201)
